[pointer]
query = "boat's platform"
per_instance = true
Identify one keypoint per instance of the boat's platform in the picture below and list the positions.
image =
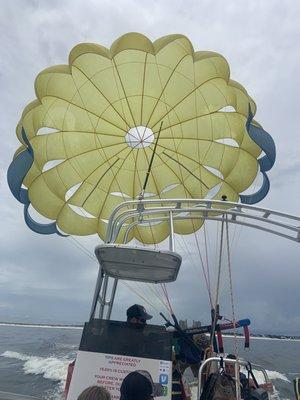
(14, 396)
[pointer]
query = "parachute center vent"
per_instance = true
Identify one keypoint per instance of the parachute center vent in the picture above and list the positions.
(139, 137)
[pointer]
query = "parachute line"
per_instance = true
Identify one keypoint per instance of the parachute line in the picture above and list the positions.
(178, 162)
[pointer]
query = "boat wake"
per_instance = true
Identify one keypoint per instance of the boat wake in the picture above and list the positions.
(51, 367)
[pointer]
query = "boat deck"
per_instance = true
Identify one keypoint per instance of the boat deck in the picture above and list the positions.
(14, 396)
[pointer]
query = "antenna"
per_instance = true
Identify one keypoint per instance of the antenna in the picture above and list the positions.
(141, 196)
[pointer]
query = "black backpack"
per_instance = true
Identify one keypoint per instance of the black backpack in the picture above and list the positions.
(219, 385)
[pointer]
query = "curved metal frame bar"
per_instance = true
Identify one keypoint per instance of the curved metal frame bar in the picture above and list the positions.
(278, 223)
(170, 210)
(229, 360)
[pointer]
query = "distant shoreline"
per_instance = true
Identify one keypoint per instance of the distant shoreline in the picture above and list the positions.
(78, 327)
(266, 337)
(53, 326)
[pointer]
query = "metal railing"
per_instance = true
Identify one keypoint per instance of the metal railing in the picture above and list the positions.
(132, 213)
(237, 363)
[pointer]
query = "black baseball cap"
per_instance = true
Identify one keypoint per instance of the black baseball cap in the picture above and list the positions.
(136, 386)
(231, 356)
(157, 388)
(138, 311)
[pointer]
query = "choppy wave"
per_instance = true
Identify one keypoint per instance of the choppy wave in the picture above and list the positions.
(277, 375)
(51, 368)
(273, 375)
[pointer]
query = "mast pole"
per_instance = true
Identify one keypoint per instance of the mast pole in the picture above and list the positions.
(171, 237)
(215, 310)
(150, 163)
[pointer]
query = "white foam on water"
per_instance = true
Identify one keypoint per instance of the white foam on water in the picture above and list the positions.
(51, 368)
(14, 354)
(277, 375)
(275, 395)
(272, 375)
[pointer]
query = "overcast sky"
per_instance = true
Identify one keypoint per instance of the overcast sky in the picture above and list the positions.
(47, 278)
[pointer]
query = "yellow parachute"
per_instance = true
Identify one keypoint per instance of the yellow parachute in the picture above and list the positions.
(92, 130)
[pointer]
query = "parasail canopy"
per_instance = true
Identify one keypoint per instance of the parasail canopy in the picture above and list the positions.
(88, 138)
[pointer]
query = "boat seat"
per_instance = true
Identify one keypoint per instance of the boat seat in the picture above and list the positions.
(138, 263)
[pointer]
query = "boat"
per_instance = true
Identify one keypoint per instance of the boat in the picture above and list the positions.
(146, 141)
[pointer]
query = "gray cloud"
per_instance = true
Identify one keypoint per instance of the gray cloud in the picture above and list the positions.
(48, 278)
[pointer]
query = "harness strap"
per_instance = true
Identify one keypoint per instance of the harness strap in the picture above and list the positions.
(221, 363)
(215, 344)
(247, 336)
(250, 372)
(220, 341)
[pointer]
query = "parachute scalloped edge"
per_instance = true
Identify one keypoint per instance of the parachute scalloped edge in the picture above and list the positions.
(15, 175)
(43, 229)
(266, 143)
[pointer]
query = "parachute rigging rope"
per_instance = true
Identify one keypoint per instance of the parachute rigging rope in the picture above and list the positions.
(237, 375)
(206, 257)
(218, 284)
(140, 295)
(152, 287)
(194, 264)
(89, 254)
(207, 279)
(217, 245)
(238, 228)
(82, 248)
(203, 269)
(163, 286)
(189, 254)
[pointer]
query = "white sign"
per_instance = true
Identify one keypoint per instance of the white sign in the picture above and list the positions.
(109, 370)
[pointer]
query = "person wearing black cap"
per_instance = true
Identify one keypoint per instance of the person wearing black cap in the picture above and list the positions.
(137, 314)
(139, 385)
(136, 386)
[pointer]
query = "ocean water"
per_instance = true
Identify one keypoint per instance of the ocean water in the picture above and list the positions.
(34, 360)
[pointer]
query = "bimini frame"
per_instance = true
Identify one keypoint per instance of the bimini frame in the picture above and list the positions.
(132, 213)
